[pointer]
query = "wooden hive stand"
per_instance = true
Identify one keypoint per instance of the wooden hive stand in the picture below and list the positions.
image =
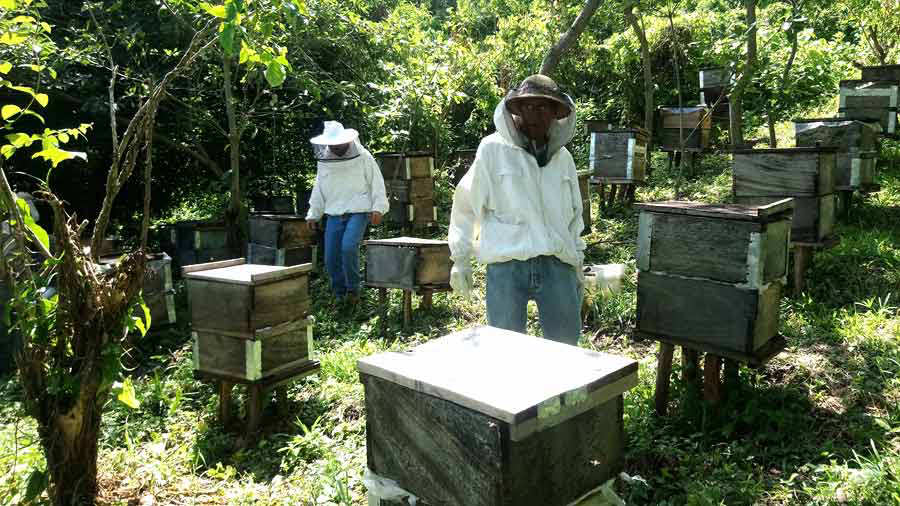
(489, 417)
(710, 278)
(250, 326)
(618, 159)
(420, 266)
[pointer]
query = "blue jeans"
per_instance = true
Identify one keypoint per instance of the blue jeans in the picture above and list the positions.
(342, 236)
(551, 283)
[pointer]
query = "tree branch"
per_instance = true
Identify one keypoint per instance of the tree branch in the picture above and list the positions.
(551, 60)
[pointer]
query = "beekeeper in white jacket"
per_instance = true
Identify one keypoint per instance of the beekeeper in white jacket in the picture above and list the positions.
(349, 189)
(518, 210)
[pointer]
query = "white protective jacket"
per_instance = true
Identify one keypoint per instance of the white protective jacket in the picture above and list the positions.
(507, 207)
(348, 186)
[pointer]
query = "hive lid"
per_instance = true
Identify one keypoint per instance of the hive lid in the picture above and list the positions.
(278, 217)
(741, 212)
(784, 151)
(528, 382)
(405, 241)
(239, 273)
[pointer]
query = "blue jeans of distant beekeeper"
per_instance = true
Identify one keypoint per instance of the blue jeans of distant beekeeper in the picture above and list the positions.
(343, 234)
(551, 283)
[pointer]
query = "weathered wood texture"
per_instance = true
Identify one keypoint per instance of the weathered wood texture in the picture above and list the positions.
(715, 78)
(272, 205)
(446, 454)
(732, 251)
(405, 165)
(881, 73)
(284, 257)
(197, 242)
(281, 231)
(584, 189)
(267, 353)
(694, 124)
(794, 172)
(409, 184)
(855, 140)
(618, 156)
(813, 219)
(715, 314)
(408, 266)
(157, 289)
(872, 100)
(241, 309)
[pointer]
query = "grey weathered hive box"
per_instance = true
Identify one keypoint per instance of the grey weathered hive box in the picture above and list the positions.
(238, 299)
(873, 100)
(881, 73)
(618, 155)
(158, 291)
(710, 275)
(408, 263)
(409, 183)
(525, 421)
(856, 142)
(416, 164)
(199, 241)
(763, 176)
(694, 124)
(281, 239)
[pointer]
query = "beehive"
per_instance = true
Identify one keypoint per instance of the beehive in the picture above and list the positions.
(281, 239)
(249, 321)
(762, 176)
(694, 124)
(730, 259)
(409, 182)
(531, 422)
(871, 100)
(881, 73)
(158, 291)
(197, 242)
(272, 205)
(856, 142)
(618, 155)
(408, 263)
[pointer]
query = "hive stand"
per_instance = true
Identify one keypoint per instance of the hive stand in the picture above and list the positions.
(416, 266)
(803, 252)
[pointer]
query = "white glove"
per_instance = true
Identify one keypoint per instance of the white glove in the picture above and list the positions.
(461, 279)
(579, 274)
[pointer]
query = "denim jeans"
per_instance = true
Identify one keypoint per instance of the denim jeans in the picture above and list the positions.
(342, 236)
(551, 283)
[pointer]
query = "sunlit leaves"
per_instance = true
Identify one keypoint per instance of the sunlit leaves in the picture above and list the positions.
(9, 110)
(125, 393)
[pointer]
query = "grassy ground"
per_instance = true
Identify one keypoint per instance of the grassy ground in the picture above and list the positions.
(819, 425)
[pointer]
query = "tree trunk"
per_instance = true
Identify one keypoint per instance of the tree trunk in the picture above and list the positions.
(646, 63)
(770, 120)
(71, 451)
(234, 214)
(737, 109)
(551, 60)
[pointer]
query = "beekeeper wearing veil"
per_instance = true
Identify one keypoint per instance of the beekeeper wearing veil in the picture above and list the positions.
(349, 191)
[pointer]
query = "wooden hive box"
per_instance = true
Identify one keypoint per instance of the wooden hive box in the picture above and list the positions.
(881, 73)
(762, 176)
(584, 189)
(407, 262)
(715, 78)
(731, 260)
(272, 205)
(414, 164)
(619, 155)
(235, 298)
(199, 241)
(158, 291)
(695, 123)
(872, 100)
(530, 422)
(856, 142)
(281, 239)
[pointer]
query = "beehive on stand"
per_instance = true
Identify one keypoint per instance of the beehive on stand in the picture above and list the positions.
(763, 176)
(409, 181)
(408, 263)
(197, 242)
(530, 422)
(694, 124)
(711, 275)
(617, 155)
(281, 239)
(714, 86)
(871, 100)
(250, 322)
(856, 142)
(158, 291)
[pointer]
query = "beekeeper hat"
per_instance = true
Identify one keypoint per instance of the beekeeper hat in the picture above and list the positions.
(334, 133)
(539, 86)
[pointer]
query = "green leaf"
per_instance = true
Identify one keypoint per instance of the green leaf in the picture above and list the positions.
(215, 10)
(9, 111)
(5, 67)
(36, 115)
(63, 137)
(126, 394)
(55, 155)
(7, 4)
(19, 140)
(42, 99)
(147, 315)
(12, 39)
(38, 481)
(36, 229)
(275, 74)
(226, 38)
(7, 150)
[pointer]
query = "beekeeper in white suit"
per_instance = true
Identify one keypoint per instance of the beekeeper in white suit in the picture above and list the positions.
(349, 189)
(518, 210)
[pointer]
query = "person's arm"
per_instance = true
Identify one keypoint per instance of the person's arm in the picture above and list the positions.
(380, 204)
(576, 226)
(468, 208)
(316, 203)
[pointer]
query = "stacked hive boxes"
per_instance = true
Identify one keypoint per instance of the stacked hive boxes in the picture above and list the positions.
(762, 176)
(714, 86)
(197, 242)
(856, 142)
(688, 124)
(408, 179)
(731, 259)
(250, 322)
(874, 97)
(281, 239)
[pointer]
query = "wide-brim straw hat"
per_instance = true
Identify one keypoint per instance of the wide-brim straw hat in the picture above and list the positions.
(334, 134)
(538, 86)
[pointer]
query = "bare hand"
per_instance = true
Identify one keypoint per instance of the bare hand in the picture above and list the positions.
(375, 218)
(312, 225)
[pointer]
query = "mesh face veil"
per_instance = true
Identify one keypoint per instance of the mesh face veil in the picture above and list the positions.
(332, 153)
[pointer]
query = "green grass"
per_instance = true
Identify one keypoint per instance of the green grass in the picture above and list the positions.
(820, 424)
